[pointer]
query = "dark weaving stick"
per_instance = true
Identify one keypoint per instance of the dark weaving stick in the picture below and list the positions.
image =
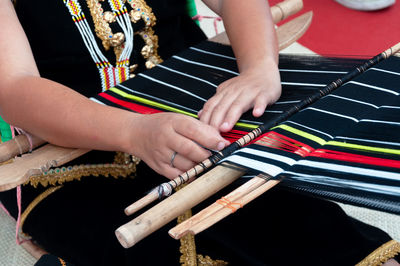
(166, 189)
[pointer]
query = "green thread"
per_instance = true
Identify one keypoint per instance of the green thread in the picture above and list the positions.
(5, 131)
(363, 147)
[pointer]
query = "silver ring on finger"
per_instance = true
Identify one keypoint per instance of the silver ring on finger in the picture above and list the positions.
(173, 158)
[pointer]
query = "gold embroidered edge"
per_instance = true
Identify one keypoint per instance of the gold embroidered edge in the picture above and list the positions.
(382, 254)
(189, 256)
(188, 245)
(121, 167)
(34, 203)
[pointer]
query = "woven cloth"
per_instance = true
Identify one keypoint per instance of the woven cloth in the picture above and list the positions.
(389, 223)
(11, 254)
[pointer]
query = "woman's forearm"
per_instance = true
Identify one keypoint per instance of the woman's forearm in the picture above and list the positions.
(250, 30)
(61, 116)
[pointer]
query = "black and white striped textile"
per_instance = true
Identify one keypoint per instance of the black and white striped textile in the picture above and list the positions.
(345, 146)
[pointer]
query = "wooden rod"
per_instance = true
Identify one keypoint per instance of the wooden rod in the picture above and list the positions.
(170, 208)
(232, 198)
(18, 146)
(224, 212)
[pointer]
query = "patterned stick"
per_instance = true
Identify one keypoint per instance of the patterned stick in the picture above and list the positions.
(166, 189)
(140, 227)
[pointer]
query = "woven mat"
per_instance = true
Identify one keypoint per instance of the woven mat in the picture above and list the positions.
(389, 223)
(10, 253)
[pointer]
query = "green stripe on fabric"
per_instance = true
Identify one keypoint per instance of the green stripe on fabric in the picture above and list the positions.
(166, 107)
(363, 147)
(302, 134)
(5, 131)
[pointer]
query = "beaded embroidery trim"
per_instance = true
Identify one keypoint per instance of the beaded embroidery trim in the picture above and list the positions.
(122, 42)
(123, 166)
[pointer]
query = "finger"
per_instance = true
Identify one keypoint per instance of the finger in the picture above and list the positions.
(209, 107)
(219, 113)
(182, 163)
(259, 106)
(168, 171)
(241, 105)
(189, 149)
(193, 132)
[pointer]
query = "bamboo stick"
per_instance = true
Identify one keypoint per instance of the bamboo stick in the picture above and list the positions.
(223, 212)
(232, 198)
(167, 210)
(18, 146)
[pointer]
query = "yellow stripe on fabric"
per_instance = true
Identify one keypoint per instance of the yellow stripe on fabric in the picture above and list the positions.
(337, 143)
(151, 103)
(166, 107)
(363, 147)
(302, 134)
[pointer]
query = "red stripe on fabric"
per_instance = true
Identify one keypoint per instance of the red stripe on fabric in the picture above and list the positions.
(231, 136)
(355, 158)
(115, 81)
(107, 78)
(132, 106)
(281, 142)
(235, 134)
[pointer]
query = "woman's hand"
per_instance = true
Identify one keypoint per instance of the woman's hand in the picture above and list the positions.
(255, 88)
(157, 137)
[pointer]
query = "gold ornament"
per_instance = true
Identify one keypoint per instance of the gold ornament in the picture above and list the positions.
(109, 17)
(135, 16)
(117, 39)
(140, 11)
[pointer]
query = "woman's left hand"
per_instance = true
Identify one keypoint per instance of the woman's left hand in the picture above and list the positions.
(254, 88)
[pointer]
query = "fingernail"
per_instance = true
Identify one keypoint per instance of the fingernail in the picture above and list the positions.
(225, 126)
(199, 113)
(220, 145)
(258, 112)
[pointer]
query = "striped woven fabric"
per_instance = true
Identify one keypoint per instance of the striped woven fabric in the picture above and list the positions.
(343, 147)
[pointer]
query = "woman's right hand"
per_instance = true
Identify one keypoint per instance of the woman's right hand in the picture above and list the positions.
(155, 138)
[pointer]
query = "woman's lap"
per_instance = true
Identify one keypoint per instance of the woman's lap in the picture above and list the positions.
(78, 221)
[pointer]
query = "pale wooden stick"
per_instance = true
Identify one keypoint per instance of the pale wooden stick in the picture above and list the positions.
(18, 146)
(279, 12)
(222, 213)
(183, 228)
(170, 208)
(287, 34)
(19, 171)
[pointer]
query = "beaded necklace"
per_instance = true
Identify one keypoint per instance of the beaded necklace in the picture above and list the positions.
(121, 42)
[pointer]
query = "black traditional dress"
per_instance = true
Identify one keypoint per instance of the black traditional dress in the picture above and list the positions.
(72, 212)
